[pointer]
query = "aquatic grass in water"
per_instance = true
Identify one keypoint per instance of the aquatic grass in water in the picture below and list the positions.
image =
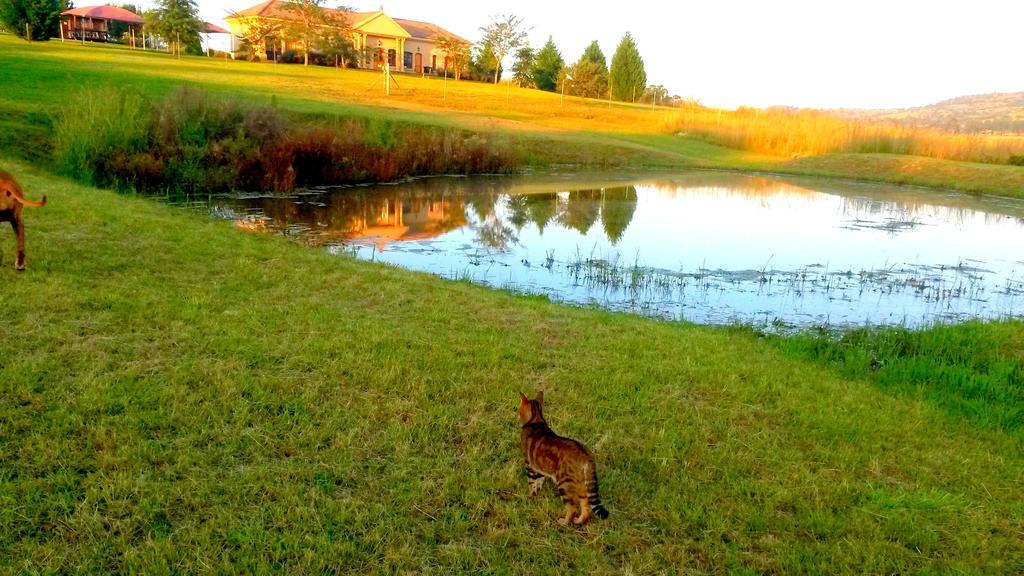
(946, 290)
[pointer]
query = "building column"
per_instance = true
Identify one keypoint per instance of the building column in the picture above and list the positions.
(400, 57)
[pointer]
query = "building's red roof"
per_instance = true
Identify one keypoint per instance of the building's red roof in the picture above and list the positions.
(213, 29)
(105, 13)
(257, 10)
(427, 31)
(276, 9)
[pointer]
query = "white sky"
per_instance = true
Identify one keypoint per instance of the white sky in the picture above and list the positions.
(813, 53)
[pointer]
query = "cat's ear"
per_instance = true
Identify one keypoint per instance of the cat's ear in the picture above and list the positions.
(540, 397)
(523, 399)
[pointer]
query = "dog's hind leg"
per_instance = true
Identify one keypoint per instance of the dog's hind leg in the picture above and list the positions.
(19, 228)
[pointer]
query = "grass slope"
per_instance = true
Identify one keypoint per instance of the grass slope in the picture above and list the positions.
(42, 79)
(179, 396)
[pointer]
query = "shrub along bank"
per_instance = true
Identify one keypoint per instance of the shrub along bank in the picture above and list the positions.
(190, 141)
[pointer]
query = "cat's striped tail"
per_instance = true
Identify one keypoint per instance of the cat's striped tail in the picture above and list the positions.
(594, 498)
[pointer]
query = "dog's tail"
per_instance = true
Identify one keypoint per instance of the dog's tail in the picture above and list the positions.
(14, 191)
(26, 202)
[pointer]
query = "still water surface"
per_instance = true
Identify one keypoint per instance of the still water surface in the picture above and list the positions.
(706, 247)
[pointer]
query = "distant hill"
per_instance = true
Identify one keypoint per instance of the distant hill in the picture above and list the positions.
(998, 112)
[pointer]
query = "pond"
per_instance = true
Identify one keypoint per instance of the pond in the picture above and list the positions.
(706, 247)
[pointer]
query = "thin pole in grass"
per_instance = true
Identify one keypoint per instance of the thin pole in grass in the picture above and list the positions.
(445, 97)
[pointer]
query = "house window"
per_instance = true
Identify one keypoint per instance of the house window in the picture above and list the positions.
(407, 60)
(391, 57)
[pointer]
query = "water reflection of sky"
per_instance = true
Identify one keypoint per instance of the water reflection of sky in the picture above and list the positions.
(707, 247)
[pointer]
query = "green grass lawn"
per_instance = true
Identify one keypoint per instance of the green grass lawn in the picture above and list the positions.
(180, 396)
(42, 80)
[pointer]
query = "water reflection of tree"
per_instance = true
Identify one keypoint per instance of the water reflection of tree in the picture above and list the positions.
(518, 211)
(582, 210)
(617, 208)
(490, 225)
(483, 204)
(495, 233)
(543, 208)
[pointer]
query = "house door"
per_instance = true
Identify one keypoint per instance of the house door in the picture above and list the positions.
(419, 63)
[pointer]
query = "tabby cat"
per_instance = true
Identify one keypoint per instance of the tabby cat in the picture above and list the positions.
(565, 461)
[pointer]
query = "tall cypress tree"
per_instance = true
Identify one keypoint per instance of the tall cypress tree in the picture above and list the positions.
(549, 65)
(595, 55)
(628, 77)
(589, 74)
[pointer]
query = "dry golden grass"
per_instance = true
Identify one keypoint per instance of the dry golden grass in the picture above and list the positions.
(811, 133)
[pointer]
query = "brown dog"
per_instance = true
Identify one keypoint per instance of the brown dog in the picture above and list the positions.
(12, 200)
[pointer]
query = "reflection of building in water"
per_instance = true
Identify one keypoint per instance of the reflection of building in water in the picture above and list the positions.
(370, 218)
(408, 219)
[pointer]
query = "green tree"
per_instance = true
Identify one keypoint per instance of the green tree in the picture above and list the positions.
(484, 64)
(457, 55)
(522, 70)
(628, 77)
(588, 80)
(503, 35)
(255, 34)
(656, 94)
(178, 23)
(32, 19)
(548, 67)
(312, 23)
(336, 46)
(595, 55)
(589, 75)
(121, 31)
